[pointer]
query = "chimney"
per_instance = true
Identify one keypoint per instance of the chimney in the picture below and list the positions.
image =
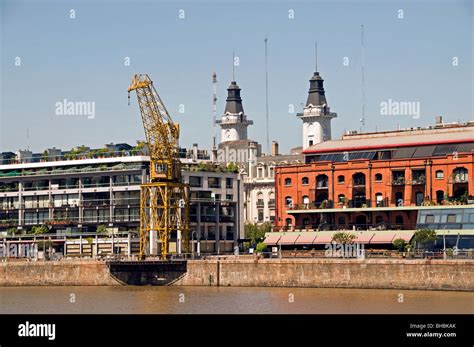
(275, 148)
(439, 120)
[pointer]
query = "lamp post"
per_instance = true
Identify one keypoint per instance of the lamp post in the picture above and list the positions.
(192, 243)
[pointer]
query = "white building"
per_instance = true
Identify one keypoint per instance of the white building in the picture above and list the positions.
(316, 114)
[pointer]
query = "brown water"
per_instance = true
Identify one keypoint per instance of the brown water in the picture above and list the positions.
(229, 300)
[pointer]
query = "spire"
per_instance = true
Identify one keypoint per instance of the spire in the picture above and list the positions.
(234, 101)
(316, 95)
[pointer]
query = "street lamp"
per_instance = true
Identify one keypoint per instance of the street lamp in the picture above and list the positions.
(192, 243)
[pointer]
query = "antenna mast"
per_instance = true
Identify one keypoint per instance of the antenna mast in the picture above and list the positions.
(362, 120)
(214, 116)
(266, 95)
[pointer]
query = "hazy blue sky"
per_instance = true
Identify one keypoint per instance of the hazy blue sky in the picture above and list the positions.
(82, 59)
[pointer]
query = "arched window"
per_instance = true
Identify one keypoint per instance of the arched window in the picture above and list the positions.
(304, 181)
(341, 179)
(439, 174)
(260, 199)
(287, 181)
(288, 201)
(288, 222)
(358, 179)
(439, 196)
(305, 200)
(460, 175)
(378, 177)
(379, 199)
(341, 198)
(321, 182)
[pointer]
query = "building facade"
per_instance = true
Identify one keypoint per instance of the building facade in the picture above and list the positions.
(73, 195)
(381, 181)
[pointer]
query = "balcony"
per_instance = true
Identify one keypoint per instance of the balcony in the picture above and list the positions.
(260, 203)
(271, 203)
(398, 181)
(418, 181)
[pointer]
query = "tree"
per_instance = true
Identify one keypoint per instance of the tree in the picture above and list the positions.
(256, 233)
(424, 236)
(261, 247)
(344, 237)
(399, 244)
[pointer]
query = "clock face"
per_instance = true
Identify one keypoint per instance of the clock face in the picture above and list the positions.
(227, 134)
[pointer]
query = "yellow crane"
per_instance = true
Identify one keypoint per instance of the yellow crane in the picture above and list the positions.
(164, 200)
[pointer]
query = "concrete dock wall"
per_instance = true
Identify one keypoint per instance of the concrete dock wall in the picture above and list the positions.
(343, 273)
(332, 273)
(56, 273)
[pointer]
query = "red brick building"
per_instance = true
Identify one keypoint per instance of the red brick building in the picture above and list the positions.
(378, 181)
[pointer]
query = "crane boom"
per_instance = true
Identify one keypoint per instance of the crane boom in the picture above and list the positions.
(162, 134)
(164, 201)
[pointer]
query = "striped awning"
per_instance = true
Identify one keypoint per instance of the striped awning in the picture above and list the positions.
(272, 239)
(306, 238)
(383, 237)
(364, 237)
(405, 235)
(289, 239)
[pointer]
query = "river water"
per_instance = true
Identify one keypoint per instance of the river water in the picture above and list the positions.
(129, 299)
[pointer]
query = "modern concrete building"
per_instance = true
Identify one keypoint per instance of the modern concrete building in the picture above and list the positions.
(80, 191)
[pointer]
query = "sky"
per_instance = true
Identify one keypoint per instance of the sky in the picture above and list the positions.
(415, 51)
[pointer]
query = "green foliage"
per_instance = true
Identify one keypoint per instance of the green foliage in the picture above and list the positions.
(101, 229)
(424, 236)
(39, 229)
(44, 245)
(255, 232)
(344, 237)
(11, 231)
(399, 244)
(261, 247)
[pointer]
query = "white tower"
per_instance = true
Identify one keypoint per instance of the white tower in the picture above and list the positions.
(316, 114)
(233, 122)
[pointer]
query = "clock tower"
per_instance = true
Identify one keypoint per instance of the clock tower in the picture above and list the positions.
(234, 121)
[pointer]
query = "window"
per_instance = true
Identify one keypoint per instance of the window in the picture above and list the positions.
(260, 201)
(358, 179)
(260, 172)
(399, 220)
(460, 175)
(229, 183)
(379, 200)
(451, 218)
(439, 174)
(321, 182)
(341, 179)
(271, 171)
(439, 196)
(306, 200)
(287, 181)
(195, 181)
(260, 215)
(310, 142)
(378, 177)
(430, 218)
(305, 181)
(288, 222)
(217, 197)
(214, 182)
(289, 201)
(341, 198)
(229, 197)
